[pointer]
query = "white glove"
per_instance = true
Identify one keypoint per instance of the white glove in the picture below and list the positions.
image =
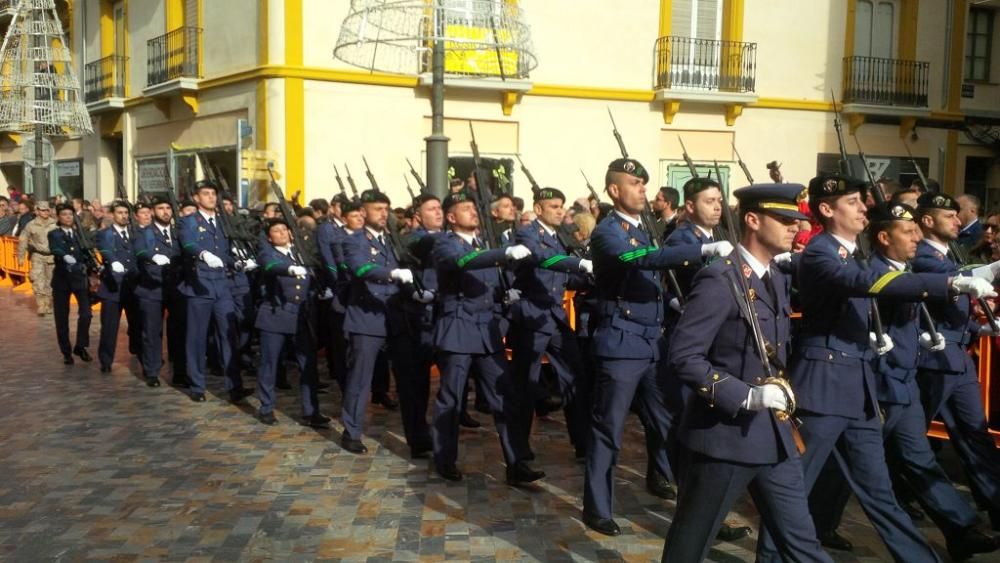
(973, 286)
(517, 252)
(987, 272)
(211, 260)
(326, 295)
(117, 267)
(401, 275)
(675, 304)
(249, 265)
(783, 259)
(885, 348)
(721, 248)
(927, 343)
(586, 266)
(69, 259)
(297, 271)
(513, 295)
(768, 396)
(987, 330)
(160, 260)
(425, 296)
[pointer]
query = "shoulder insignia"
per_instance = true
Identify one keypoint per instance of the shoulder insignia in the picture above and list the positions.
(624, 225)
(201, 229)
(938, 255)
(752, 293)
(842, 252)
(374, 251)
(633, 241)
(368, 236)
(747, 271)
(541, 231)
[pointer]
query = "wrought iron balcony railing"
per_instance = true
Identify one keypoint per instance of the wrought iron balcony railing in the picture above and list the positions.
(885, 82)
(174, 55)
(105, 78)
(8, 6)
(686, 63)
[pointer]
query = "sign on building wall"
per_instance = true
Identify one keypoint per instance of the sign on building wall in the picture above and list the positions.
(153, 174)
(68, 168)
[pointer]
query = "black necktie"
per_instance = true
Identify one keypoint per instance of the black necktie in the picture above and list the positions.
(211, 222)
(381, 241)
(124, 235)
(769, 284)
(166, 236)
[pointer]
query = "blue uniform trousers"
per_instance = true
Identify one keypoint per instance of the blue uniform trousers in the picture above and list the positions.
(222, 313)
(565, 359)
(957, 400)
(860, 452)
(711, 487)
(493, 370)
(60, 312)
(111, 313)
(272, 354)
(151, 312)
(618, 382)
(411, 364)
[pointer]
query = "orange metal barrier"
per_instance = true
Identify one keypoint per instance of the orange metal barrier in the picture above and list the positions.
(9, 263)
(985, 368)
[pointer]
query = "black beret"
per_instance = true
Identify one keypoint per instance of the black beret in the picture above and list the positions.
(887, 211)
(279, 220)
(694, 186)
(373, 196)
(206, 185)
(340, 198)
(349, 206)
(549, 193)
(456, 198)
(629, 166)
(780, 199)
(828, 185)
(143, 205)
(936, 201)
(424, 198)
(64, 206)
(159, 200)
(188, 203)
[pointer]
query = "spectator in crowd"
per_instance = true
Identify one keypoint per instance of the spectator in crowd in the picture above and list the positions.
(77, 204)
(98, 210)
(585, 223)
(986, 251)
(665, 209)
(527, 217)
(456, 185)
(88, 221)
(968, 214)
(595, 207)
(25, 213)
(907, 195)
(7, 217)
(14, 195)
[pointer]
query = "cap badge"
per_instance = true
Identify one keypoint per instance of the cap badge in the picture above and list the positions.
(830, 186)
(629, 166)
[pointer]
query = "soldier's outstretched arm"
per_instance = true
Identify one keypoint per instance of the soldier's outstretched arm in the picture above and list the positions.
(449, 257)
(629, 254)
(849, 278)
(545, 256)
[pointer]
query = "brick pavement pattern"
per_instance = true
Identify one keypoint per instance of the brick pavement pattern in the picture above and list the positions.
(101, 467)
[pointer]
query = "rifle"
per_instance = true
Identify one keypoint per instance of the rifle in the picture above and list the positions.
(590, 188)
(409, 188)
(340, 181)
(743, 165)
(484, 197)
(646, 218)
(925, 314)
(687, 159)
(570, 246)
(242, 248)
(416, 176)
(93, 265)
(733, 234)
(392, 230)
(350, 181)
(123, 197)
(172, 198)
(306, 260)
(845, 163)
(920, 173)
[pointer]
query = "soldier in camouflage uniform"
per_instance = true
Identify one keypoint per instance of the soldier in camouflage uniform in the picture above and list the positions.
(35, 242)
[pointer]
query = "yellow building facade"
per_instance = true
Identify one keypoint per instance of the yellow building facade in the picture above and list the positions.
(179, 86)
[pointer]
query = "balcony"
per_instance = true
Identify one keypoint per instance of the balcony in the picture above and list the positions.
(173, 63)
(104, 83)
(889, 87)
(8, 7)
(706, 71)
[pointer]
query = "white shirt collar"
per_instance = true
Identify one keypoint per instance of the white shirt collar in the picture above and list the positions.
(630, 220)
(671, 218)
(969, 226)
(704, 231)
(206, 216)
(338, 222)
(751, 260)
(373, 232)
(161, 227)
(942, 248)
(286, 250)
(121, 230)
(466, 237)
(548, 229)
(897, 265)
(67, 230)
(850, 245)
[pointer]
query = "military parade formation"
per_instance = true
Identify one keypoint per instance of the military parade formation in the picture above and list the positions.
(798, 377)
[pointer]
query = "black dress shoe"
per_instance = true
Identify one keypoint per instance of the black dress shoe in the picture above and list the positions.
(198, 397)
(833, 540)
(385, 400)
(352, 445)
(449, 472)
(181, 382)
(421, 451)
(529, 456)
(732, 532)
(316, 421)
(321, 386)
(483, 407)
(237, 395)
(84, 354)
(658, 486)
(521, 474)
(605, 526)
(468, 422)
(969, 543)
(68, 359)
(267, 418)
(105, 369)
(580, 455)
(152, 382)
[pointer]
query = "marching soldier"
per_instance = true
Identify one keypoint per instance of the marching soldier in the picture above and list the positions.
(628, 338)
(703, 212)
(894, 235)
(374, 317)
(328, 236)
(117, 290)
(208, 289)
(467, 336)
(34, 242)
(284, 318)
(70, 277)
(737, 433)
(159, 255)
(949, 384)
(540, 324)
(832, 372)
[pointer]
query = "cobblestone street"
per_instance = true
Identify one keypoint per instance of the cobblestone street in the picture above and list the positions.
(101, 467)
